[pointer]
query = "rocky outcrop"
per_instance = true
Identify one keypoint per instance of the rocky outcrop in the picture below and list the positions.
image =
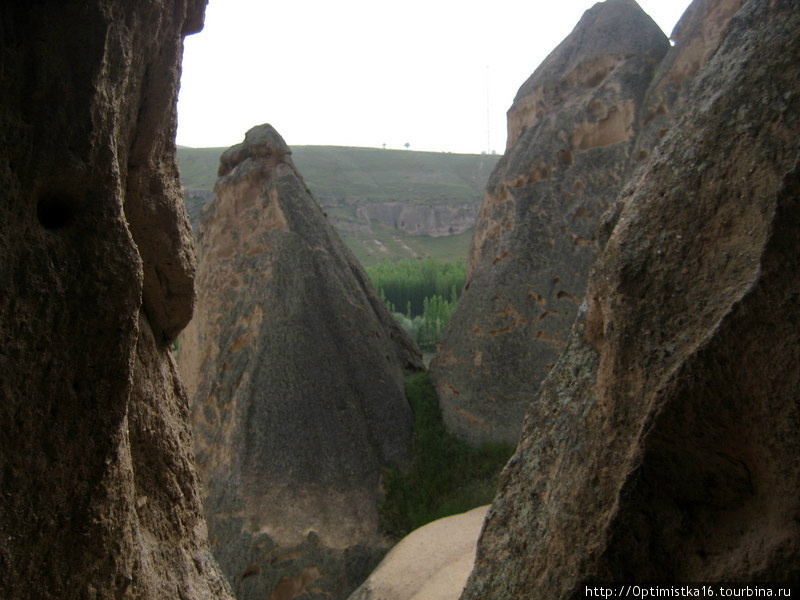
(419, 219)
(572, 132)
(663, 446)
(361, 216)
(295, 370)
(430, 563)
(99, 497)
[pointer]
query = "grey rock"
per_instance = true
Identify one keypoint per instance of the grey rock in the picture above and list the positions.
(295, 369)
(572, 131)
(663, 445)
(99, 497)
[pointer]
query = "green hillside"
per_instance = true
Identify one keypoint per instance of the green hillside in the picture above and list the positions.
(386, 243)
(375, 175)
(342, 177)
(199, 167)
(365, 173)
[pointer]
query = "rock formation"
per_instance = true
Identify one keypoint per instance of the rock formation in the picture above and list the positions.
(430, 563)
(571, 134)
(664, 443)
(696, 36)
(99, 497)
(417, 219)
(295, 368)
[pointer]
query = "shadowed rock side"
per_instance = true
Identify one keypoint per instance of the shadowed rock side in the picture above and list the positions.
(296, 371)
(664, 444)
(571, 133)
(99, 497)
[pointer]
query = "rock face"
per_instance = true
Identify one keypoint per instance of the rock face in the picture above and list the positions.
(572, 132)
(696, 36)
(295, 369)
(100, 498)
(430, 563)
(664, 443)
(418, 219)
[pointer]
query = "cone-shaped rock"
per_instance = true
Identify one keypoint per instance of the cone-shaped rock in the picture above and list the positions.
(664, 444)
(99, 497)
(295, 369)
(572, 131)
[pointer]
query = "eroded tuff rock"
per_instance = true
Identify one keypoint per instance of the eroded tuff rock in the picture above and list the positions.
(99, 497)
(696, 36)
(664, 444)
(572, 131)
(295, 369)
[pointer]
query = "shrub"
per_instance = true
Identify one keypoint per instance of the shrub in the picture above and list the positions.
(446, 476)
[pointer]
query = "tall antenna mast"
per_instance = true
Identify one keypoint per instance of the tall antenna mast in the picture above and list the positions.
(488, 116)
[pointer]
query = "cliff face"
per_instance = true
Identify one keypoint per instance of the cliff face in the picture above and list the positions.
(572, 131)
(415, 219)
(664, 443)
(295, 369)
(99, 494)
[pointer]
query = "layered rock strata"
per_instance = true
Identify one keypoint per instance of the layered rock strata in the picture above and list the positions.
(99, 498)
(295, 369)
(417, 219)
(572, 131)
(664, 444)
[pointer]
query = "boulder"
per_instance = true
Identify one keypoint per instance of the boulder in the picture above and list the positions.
(663, 445)
(571, 135)
(295, 370)
(99, 497)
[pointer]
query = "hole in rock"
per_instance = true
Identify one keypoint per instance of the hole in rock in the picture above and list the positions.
(56, 210)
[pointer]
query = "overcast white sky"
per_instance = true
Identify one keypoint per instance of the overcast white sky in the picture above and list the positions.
(438, 74)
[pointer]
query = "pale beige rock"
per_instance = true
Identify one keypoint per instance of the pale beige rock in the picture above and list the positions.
(430, 563)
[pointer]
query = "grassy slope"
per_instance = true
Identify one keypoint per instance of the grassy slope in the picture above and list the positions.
(365, 173)
(338, 174)
(199, 167)
(379, 175)
(388, 243)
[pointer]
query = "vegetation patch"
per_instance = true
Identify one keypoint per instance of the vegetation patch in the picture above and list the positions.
(420, 293)
(397, 244)
(446, 476)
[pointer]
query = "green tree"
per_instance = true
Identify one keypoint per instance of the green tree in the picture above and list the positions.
(428, 290)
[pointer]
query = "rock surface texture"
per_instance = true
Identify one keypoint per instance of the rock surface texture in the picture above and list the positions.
(99, 498)
(664, 443)
(571, 135)
(430, 563)
(295, 369)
